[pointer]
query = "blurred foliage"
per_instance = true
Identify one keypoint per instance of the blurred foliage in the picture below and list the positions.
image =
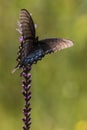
(59, 91)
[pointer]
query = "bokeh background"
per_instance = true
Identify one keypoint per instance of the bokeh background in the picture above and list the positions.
(59, 81)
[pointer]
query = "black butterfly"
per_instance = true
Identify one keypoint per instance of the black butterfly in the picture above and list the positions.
(31, 49)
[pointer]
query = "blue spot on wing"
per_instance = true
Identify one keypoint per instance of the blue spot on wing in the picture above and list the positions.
(34, 57)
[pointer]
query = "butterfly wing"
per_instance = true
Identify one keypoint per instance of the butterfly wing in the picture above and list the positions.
(27, 38)
(27, 25)
(28, 31)
(55, 44)
(34, 56)
(47, 46)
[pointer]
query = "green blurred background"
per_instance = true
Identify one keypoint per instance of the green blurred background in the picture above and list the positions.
(59, 81)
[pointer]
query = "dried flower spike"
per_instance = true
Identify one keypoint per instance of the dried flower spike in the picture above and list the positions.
(27, 96)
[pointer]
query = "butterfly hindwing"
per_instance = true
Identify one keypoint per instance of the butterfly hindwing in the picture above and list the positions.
(34, 56)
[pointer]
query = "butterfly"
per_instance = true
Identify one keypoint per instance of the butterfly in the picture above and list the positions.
(31, 49)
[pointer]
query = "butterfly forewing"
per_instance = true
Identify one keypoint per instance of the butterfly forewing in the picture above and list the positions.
(46, 46)
(28, 33)
(27, 24)
(55, 44)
